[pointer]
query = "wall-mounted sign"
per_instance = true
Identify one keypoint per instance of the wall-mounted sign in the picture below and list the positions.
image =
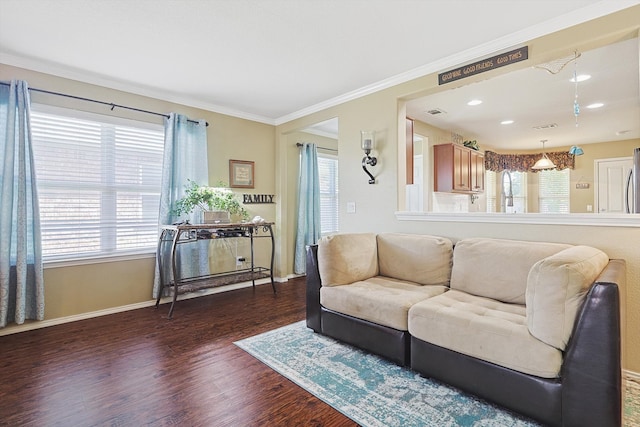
(252, 199)
(484, 65)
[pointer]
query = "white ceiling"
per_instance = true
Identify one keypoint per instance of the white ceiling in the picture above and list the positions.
(269, 60)
(534, 98)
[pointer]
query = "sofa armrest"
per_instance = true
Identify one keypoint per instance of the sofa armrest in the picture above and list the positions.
(591, 371)
(313, 289)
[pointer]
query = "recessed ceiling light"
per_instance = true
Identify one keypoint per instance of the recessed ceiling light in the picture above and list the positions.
(580, 78)
(474, 102)
(622, 132)
(506, 122)
(595, 105)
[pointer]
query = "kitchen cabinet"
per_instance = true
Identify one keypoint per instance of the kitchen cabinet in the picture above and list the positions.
(457, 169)
(477, 171)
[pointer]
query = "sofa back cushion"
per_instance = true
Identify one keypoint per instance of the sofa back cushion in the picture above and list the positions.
(417, 258)
(556, 288)
(496, 268)
(347, 258)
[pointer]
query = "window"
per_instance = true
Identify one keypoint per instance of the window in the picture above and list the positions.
(553, 191)
(98, 183)
(519, 190)
(328, 171)
(518, 183)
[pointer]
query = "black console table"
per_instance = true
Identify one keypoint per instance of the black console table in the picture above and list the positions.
(176, 235)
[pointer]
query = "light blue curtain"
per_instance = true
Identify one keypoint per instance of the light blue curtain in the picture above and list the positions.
(308, 225)
(21, 278)
(185, 157)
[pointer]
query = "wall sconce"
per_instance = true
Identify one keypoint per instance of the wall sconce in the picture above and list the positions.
(367, 140)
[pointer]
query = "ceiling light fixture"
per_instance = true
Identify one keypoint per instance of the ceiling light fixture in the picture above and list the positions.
(544, 162)
(576, 106)
(474, 102)
(595, 105)
(506, 122)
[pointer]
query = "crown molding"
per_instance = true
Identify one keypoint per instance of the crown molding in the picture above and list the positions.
(575, 17)
(99, 80)
(558, 23)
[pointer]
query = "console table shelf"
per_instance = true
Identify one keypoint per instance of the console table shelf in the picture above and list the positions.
(176, 235)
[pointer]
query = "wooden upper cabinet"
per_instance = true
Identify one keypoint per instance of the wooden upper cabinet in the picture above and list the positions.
(477, 171)
(409, 151)
(457, 169)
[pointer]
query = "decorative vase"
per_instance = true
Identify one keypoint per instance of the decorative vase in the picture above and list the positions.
(216, 217)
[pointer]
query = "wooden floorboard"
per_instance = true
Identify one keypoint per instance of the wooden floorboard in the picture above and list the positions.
(139, 368)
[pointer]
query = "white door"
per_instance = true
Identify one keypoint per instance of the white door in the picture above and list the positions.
(415, 198)
(611, 181)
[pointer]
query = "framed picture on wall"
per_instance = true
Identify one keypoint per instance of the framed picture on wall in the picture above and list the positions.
(241, 174)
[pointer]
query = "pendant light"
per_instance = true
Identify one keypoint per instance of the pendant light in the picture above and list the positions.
(544, 162)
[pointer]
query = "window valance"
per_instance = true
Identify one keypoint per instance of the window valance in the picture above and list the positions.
(523, 162)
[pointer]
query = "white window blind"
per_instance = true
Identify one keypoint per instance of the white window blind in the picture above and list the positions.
(553, 191)
(98, 183)
(519, 185)
(328, 171)
(518, 190)
(490, 190)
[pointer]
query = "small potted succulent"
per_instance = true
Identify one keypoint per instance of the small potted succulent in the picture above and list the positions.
(216, 203)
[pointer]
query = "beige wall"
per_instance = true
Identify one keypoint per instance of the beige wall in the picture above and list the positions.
(80, 289)
(376, 204)
(584, 169)
(104, 285)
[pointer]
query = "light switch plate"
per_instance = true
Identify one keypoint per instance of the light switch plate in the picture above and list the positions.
(351, 207)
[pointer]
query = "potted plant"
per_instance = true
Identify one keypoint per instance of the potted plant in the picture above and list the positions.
(210, 199)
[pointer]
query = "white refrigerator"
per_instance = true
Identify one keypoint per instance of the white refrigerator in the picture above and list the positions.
(633, 184)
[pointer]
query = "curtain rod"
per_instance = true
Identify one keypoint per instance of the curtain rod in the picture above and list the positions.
(110, 104)
(298, 144)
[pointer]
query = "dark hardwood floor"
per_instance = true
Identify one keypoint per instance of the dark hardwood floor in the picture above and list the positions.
(138, 368)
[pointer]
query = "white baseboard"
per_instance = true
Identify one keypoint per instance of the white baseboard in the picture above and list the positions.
(34, 324)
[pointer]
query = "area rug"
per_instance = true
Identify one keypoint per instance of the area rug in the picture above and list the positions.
(368, 389)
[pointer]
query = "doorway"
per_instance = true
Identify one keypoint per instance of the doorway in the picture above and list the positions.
(610, 184)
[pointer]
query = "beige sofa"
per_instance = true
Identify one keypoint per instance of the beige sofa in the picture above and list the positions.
(494, 317)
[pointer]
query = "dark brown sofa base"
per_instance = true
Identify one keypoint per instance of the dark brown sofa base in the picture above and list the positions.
(537, 398)
(387, 342)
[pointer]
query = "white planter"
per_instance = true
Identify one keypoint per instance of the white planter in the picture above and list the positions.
(216, 217)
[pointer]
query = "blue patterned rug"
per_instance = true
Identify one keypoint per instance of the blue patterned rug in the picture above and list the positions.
(366, 388)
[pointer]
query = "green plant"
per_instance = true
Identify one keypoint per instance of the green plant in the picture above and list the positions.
(209, 198)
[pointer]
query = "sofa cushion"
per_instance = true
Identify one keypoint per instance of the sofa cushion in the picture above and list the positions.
(347, 258)
(556, 288)
(486, 329)
(496, 268)
(418, 258)
(380, 300)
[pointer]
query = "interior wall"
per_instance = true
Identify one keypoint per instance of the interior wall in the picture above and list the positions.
(584, 171)
(376, 204)
(72, 290)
